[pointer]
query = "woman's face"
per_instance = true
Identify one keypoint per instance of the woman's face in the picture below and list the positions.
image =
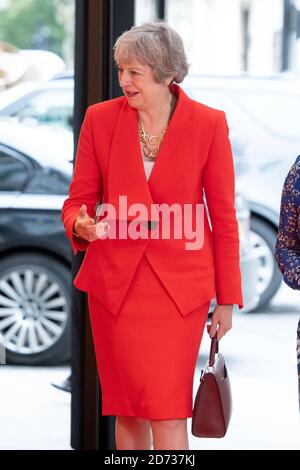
(138, 84)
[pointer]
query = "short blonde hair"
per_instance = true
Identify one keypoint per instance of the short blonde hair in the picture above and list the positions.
(157, 45)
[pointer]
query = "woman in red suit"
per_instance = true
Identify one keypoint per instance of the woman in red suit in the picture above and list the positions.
(142, 156)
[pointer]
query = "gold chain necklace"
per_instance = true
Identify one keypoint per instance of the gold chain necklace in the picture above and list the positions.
(150, 144)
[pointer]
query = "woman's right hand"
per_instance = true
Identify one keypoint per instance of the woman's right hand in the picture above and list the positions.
(86, 228)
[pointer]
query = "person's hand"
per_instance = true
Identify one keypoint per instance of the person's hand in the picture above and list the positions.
(86, 228)
(221, 321)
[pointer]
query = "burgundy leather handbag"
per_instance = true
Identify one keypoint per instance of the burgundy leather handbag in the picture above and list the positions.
(213, 403)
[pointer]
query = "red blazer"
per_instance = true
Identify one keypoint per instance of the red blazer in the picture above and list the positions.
(194, 155)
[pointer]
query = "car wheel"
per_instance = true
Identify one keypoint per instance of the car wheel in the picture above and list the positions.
(263, 238)
(35, 292)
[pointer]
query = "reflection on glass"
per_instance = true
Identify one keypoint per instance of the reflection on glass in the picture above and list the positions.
(13, 173)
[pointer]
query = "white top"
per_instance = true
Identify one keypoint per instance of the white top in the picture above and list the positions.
(148, 168)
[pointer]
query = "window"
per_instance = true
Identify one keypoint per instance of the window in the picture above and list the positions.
(48, 181)
(51, 107)
(13, 173)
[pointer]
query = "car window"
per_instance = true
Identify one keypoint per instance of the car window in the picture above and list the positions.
(220, 100)
(13, 173)
(278, 113)
(48, 181)
(50, 107)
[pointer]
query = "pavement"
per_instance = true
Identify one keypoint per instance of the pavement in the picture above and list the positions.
(34, 415)
(260, 353)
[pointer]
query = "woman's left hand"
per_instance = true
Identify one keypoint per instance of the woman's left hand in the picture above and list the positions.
(221, 321)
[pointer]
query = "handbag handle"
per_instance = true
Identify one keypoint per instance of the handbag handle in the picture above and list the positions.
(214, 348)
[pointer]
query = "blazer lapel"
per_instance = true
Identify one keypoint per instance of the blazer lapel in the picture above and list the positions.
(176, 133)
(126, 175)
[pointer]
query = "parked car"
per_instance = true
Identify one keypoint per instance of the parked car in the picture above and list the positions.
(263, 116)
(265, 182)
(47, 102)
(35, 257)
(35, 254)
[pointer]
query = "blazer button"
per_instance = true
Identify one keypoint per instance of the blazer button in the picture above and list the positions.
(152, 224)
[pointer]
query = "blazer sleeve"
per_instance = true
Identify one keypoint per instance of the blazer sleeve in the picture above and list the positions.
(287, 246)
(86, 183)
(219, 188)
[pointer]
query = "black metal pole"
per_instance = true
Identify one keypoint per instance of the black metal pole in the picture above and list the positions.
(98, 24)
(287, 6)
(121, 19)
(161, 9)
(297, 24)
(89, 430)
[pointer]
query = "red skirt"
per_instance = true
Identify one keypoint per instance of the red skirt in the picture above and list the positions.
(146, 355)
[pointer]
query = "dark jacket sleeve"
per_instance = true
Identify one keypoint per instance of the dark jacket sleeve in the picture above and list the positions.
(287, 247)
